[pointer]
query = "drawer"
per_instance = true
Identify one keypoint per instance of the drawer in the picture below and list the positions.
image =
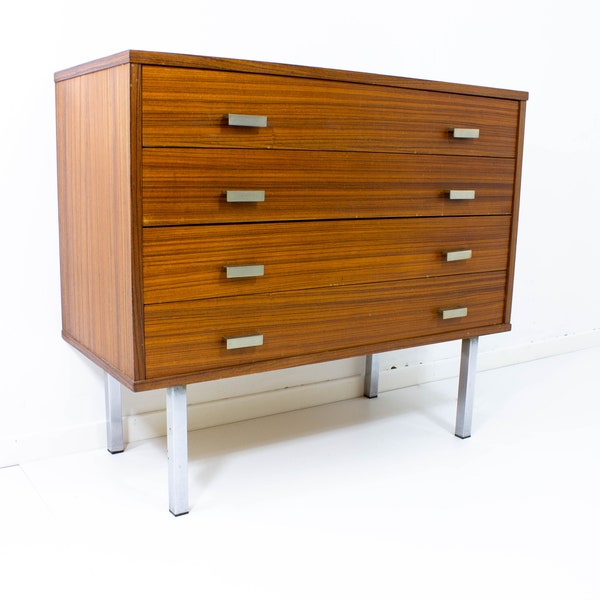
(190, 107)
(186, 263)
(187, 337)
(189, 185)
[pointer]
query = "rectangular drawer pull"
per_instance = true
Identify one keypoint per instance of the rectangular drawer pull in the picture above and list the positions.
(465, 134)
(244, 341)
(246, 120)
(458, 255)
(461, 194)
(234, 272)
(453, 313)
(245, 195)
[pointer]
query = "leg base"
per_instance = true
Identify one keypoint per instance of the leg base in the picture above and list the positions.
(466, 387)
(114, 412)
(177, 446)
(371, 376)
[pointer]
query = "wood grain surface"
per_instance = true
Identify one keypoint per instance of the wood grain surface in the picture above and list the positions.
(184, 337)
(190, 61)
(186, 263)
(94, 190)
(187, 186)
(352, 233)
(189, 108)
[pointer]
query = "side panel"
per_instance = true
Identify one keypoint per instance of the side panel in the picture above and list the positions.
(94, 192)
(515, 212)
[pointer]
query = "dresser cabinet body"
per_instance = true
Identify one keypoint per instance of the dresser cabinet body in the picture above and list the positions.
(223, 217)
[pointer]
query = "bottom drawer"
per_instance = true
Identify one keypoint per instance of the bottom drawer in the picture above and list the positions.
(189, 337)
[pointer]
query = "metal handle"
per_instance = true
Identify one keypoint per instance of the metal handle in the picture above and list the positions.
(245, 195)
(453, 313)
(461, 194)
(234, 272)
(246, 120)
(244, 341)
(465, 134)
(458, 255)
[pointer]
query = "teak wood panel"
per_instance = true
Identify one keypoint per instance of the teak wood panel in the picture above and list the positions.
(187, 186)
(516, 203)
(187, 337)
(188, 107)
(94, 190)
(186, 263)
(106, 111)
(168, 59)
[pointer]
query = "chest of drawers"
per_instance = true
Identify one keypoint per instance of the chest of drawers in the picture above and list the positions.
(222, 217)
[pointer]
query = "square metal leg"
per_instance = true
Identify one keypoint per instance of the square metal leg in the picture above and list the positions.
(114, 415)
(372, 375)
(466, 387)
(177, 446)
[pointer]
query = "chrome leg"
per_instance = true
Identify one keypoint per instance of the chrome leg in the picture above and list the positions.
(177, 446)
(114, 415)
(372, 375)
(466, 387)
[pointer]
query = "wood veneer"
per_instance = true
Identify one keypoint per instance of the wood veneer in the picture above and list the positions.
(187, 337)
(186, 263)
(318, 185)
(356, 170)
(95, 217)
(187, 107)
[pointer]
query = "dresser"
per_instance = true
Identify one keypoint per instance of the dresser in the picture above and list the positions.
(222, 217)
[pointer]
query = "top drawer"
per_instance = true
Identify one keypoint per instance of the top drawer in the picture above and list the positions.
(190, 107)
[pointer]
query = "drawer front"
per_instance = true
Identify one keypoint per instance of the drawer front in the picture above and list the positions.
(186, 263)
(187, 337)
(190, 108)
(190, 185)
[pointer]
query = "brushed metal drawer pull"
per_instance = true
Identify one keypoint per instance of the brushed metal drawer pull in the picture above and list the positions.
(458, 255)
(234, 272)
(246, 120)
(465, 134)
(454, 313)
(461, 194)
(245, 195)
(244, 341)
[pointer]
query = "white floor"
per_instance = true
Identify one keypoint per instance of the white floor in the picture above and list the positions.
(358, 499)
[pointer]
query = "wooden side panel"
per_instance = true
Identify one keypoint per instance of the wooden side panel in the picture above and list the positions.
(94, 191)
(515, 218)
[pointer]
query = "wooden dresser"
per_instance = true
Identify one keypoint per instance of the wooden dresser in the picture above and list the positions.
(222, 217)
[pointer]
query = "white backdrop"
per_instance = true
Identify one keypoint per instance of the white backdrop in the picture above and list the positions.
(52, 398)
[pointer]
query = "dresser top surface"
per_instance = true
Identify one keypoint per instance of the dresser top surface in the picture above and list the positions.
(267, 68)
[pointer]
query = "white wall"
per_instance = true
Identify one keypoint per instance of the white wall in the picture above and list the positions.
(52, 398)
